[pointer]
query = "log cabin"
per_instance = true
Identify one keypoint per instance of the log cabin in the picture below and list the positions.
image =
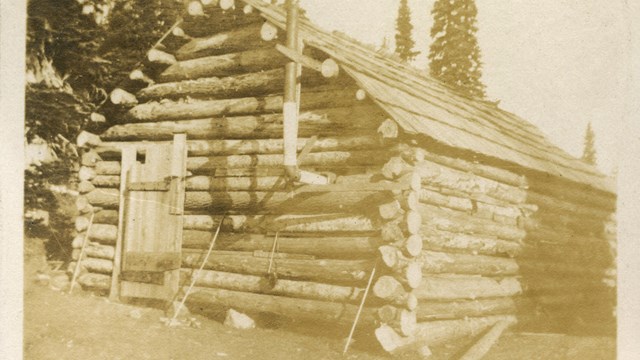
(288, 170)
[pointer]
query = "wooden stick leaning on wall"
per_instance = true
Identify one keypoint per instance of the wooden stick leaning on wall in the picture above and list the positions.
(193, 281)
(78, 264)
(355, 321)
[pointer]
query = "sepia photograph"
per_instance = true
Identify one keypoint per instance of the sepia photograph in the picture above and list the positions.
(305, 179)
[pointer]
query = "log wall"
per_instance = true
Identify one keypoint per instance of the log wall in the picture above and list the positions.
(457, 244)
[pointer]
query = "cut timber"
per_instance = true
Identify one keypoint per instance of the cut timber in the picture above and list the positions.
(86, 173)
(250, 61)
(240, 39)
(121, 97)
(90, 158)
(201, 26)
(391, 290)
(101, 266)
(88, 140)
(328, 68)
(434, 239)
(259, 284)
(322, 159)
(442, 262)
(454, 221)
(452, 202)
(335, 247)
(299, 309)
(434, 333)
(194, 8)
(329, 122)
(160, 57)
(103, 233)
(268, 31)
(388, 129)
(95, 250)
(402, 320)
(83, 205)
(316, 223)
(451, 287)
(93, 281)
(390, 210)
(445, 310)
(408, 270)
(282, 202)
(257, 146)
(479, 349)
(324, 270)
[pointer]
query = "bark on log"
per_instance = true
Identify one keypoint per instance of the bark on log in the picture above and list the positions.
(298, 309)
(109, 217)
(251, 61)
(451, 287)
(315, 98)
(324, 270)
(452, 202)
(250, 147)
(401, 320)
(446, 310)
(263, 202)
(435, 333)
(318, 223)
(93, 281)
(288, 288)
(95, 250)
(330, 247)
(236, 40)
(102, 233)
(391, 290)
(434, 239)
(200, 26)
(442, 262)
(323, 123)
(100, 266)
(450, 220)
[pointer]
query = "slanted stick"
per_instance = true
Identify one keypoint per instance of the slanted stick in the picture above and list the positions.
(355, 321)
(84, 246)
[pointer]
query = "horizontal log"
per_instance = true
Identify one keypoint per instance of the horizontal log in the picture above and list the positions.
(402, 320)
(484, 170)
(323, 223)
(549, 203)
(434, 174)
(100, 266)
(332, 247)
(450, 220)
(434, 333)
(250, 146)
(441, 262)
(240, 39)
(452, 202)
(298, 309)
(102, 233)
(262, 202)
(314, 98)
(324, 270)
(95, 250)
(450, 287)
(250, 61)
(578, 194)
(323, 123)
(94, 281)
(282, 287)
(389, 289)
(445, 310)
(434, 239)
(200, 26)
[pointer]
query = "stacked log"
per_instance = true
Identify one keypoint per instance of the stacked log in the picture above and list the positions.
(456, 246)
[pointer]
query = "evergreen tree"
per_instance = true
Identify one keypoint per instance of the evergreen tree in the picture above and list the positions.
(404, 40)
(589, 153)
(454, 54)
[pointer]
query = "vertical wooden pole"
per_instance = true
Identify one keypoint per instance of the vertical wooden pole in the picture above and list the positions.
(178, 173)
(290, 107)
(128, 159)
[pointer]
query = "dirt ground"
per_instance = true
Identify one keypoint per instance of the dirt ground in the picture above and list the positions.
(85, 326)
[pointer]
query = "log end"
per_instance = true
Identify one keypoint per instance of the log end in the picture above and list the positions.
(268, 31)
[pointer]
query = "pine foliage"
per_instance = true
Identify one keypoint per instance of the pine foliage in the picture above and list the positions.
(454, 54)
(589, 153)
(404, 28)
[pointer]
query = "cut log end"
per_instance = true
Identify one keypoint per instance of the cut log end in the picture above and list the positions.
(247, 9)
(268, 32)
(413, 274)
(227, 4)
(87, 139)
(195, 8)
(388, 129)
(413, 245)
(361, 95)
(390, 210)
(121, 97)
(161, 57)
(330, 68)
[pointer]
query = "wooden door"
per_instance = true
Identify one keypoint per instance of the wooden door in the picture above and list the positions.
(152, 241)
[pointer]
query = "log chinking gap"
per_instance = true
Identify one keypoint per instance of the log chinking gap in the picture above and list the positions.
(464, 239)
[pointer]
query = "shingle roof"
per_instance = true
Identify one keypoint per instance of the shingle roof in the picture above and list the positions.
(422, 105)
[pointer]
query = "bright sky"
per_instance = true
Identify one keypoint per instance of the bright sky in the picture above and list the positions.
(556, 63)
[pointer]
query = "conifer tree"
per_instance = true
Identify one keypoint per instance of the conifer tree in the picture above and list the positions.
(404, 39)
(589, 153)
(454, 54)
